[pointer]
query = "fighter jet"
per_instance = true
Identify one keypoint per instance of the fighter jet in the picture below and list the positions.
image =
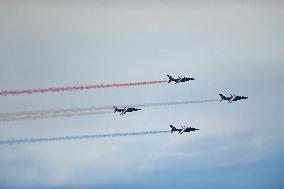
(232, 98)
(124, 110)
(183, 129)
(179, 79)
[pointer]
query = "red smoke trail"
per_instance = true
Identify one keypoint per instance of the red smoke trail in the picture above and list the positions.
(76, 88)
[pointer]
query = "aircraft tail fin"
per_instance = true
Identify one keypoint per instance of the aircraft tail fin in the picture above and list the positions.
(173, 128)
(114, 109)
(170, 78)
(222, 97)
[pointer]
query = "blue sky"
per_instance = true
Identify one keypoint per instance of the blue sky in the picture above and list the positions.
(228, 46)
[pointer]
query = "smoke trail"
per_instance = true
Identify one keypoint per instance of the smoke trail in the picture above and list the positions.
(76, 88)
(69, 138)
(174, 103)
(88, 109)
(32, 117)
(44, 114)
(54, 111)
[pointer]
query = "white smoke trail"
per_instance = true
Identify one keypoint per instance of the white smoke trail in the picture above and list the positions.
(32, 117)
(44, 114)
(54, 111)
(174, 103)
(81, 137)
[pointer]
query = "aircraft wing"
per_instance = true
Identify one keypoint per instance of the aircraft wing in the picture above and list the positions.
(233, 98)
(182, 130)
(179, 79)
(124, 111)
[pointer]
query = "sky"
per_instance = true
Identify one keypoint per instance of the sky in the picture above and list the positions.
(227, 46)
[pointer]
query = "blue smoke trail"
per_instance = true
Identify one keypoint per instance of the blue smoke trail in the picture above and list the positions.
(68, 138)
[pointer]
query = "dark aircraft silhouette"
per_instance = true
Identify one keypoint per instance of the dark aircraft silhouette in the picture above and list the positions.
(124, 110)
(232, 98)
(183, 129)
(179, 79)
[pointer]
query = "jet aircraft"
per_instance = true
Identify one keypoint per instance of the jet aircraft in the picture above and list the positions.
(183, 129)
(179, 79)
(124, 110)
(232, 98)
